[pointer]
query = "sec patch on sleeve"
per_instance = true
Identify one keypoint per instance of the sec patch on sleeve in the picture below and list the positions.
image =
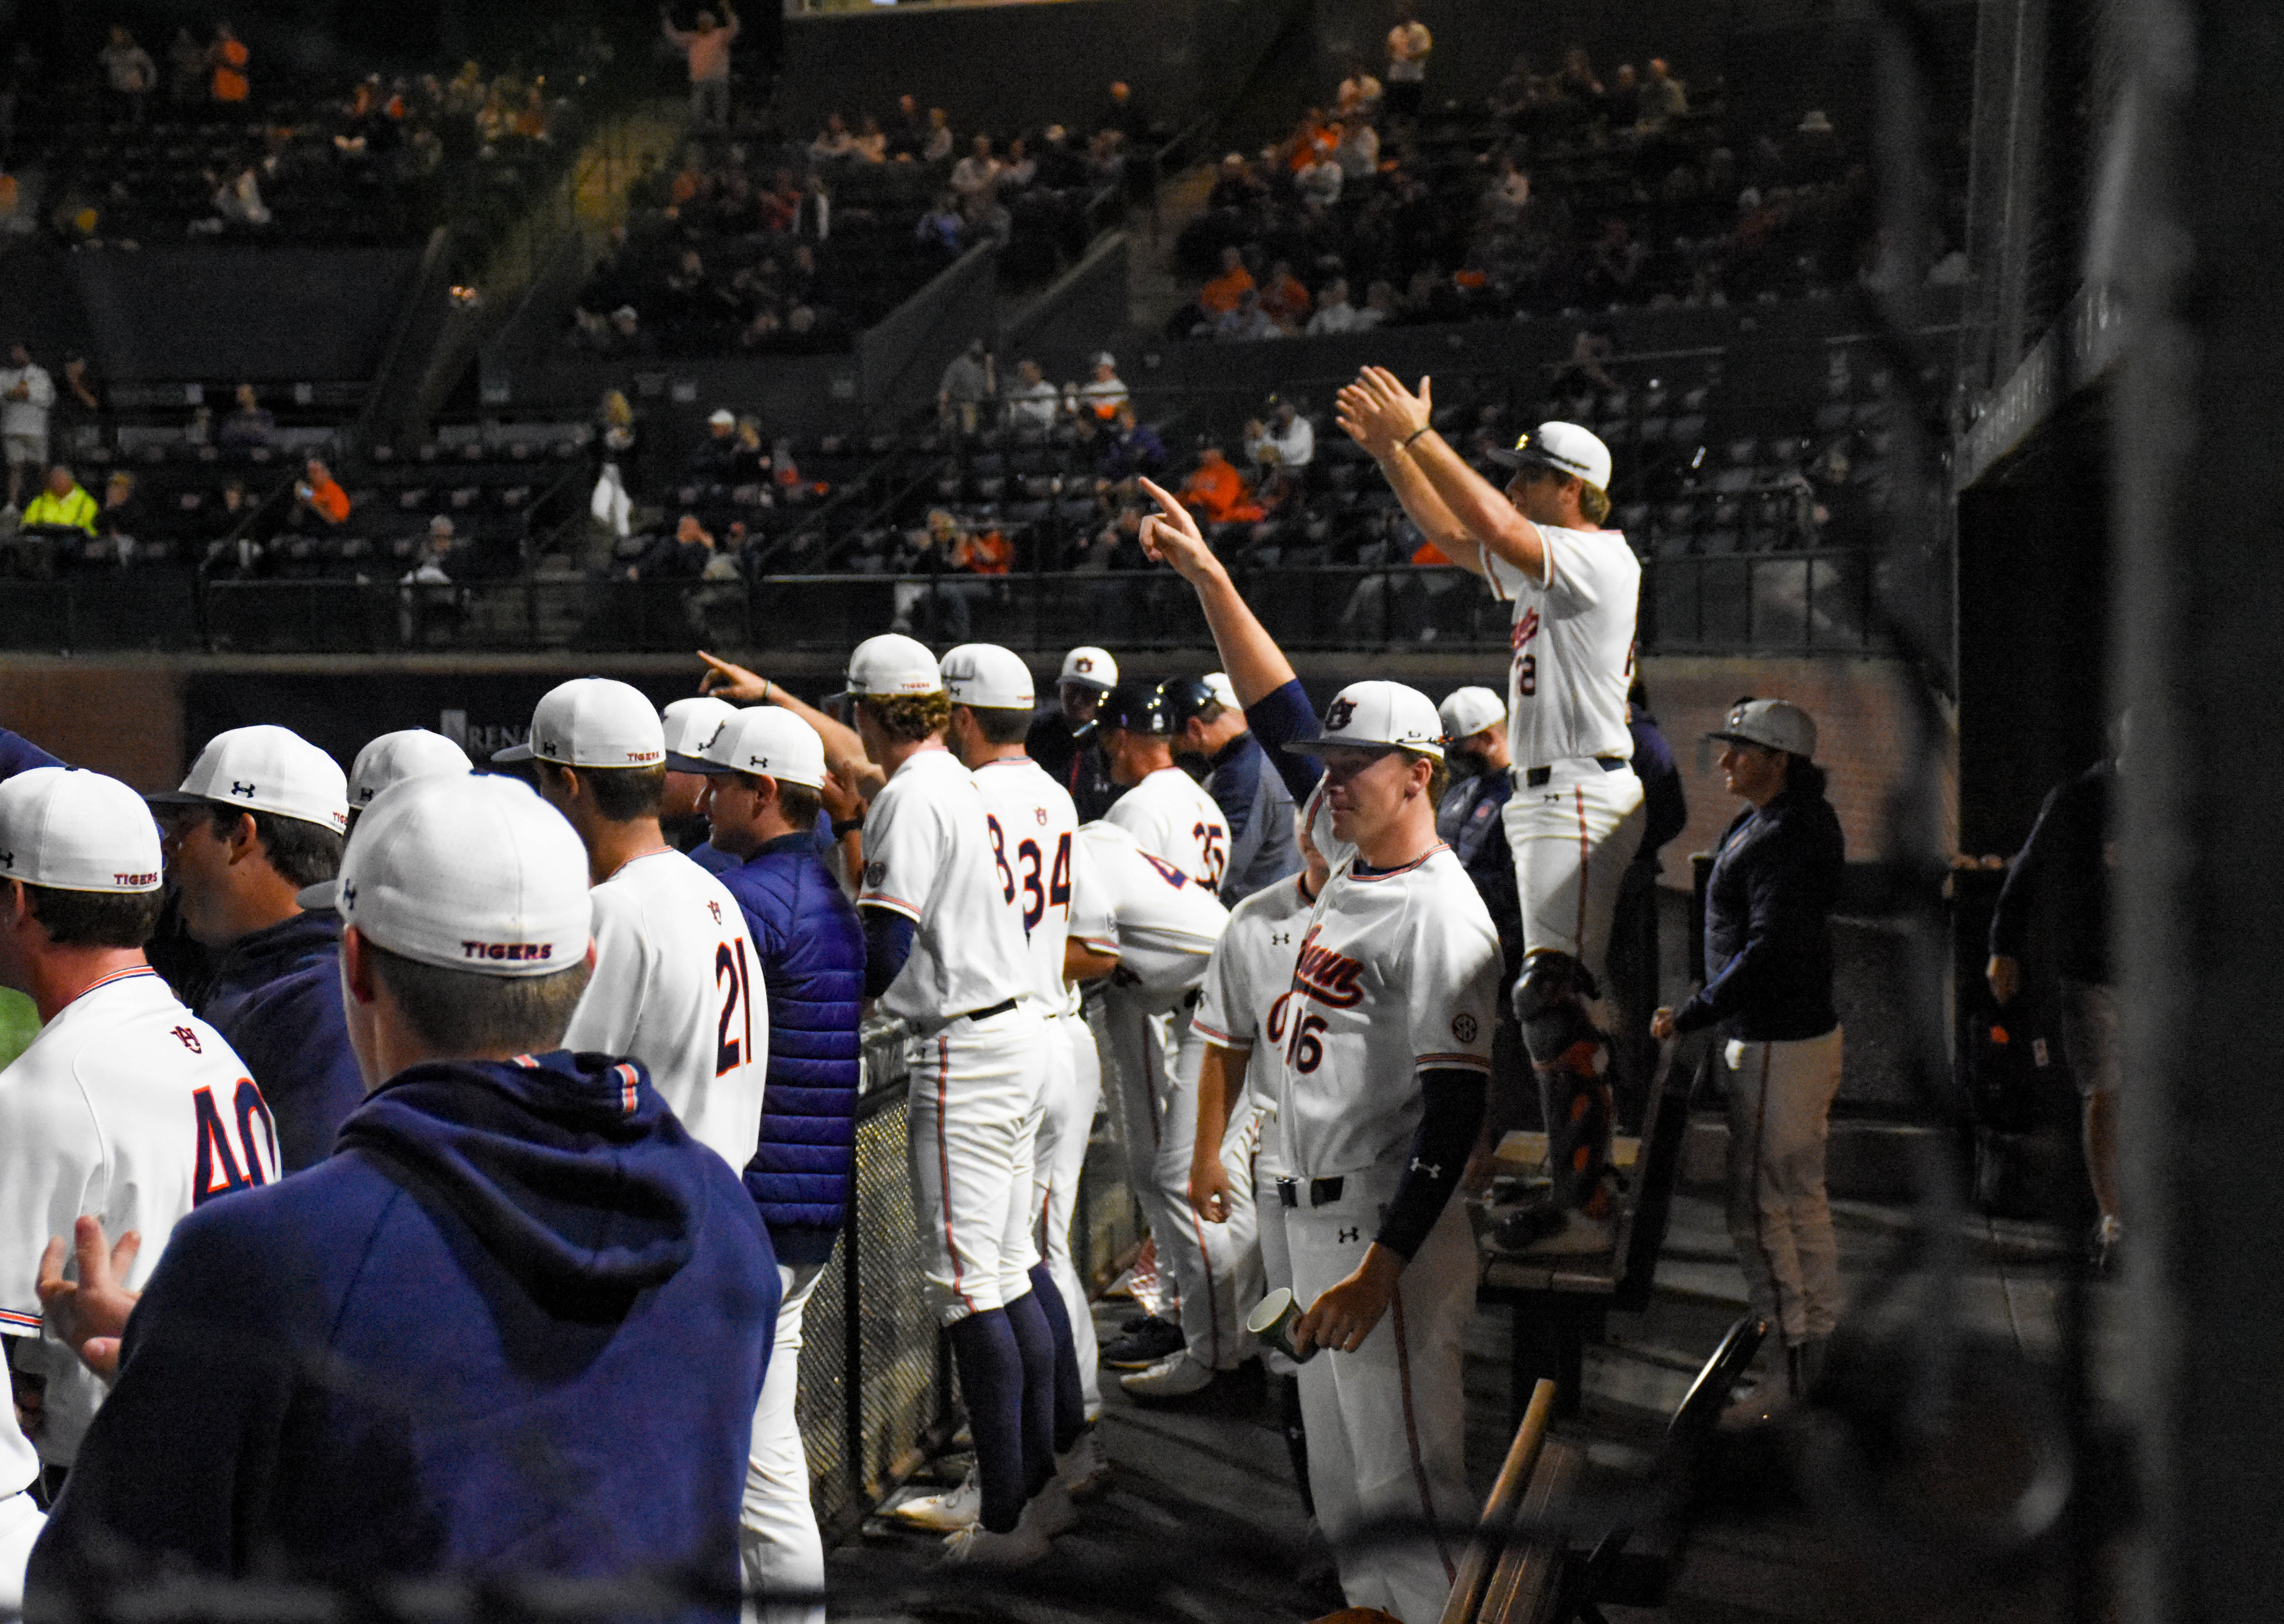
(1463, 1027)
(874, 873)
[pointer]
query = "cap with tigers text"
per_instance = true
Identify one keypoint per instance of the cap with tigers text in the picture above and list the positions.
(267, 768)
(891, 666)
(592, 721)
(72, 830)
(988, 678)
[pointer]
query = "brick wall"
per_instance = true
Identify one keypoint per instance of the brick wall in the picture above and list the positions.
(125, 719)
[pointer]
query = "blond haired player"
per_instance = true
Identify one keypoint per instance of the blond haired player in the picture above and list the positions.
(1378, 1084)
(126, 1107)
(1576, 818)
(945, 954)
(677, 983)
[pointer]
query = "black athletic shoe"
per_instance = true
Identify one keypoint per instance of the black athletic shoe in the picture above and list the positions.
(1142, 1348)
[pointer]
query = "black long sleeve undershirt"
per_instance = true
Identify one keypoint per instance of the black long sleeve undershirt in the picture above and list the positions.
(888, 943)
(1450, 1115)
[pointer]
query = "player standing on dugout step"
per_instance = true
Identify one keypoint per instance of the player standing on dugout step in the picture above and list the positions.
(762, 770)
(1576, 818)
(126, 1107)
(945, 954)
(259, 816)
(677, 984)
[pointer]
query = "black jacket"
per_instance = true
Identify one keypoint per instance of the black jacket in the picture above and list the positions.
(1768, 932)
(2061, 874)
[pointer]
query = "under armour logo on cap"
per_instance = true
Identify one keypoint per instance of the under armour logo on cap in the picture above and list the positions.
(349, 895)
(1350, 1236)
(236, 788)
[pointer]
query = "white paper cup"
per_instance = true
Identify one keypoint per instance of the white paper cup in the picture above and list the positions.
(1272, 1320)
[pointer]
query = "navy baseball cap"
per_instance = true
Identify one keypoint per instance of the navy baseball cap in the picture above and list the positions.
(1136, 707)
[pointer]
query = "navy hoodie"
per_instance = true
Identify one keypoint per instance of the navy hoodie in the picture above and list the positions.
(516, 1325)
(277, 997)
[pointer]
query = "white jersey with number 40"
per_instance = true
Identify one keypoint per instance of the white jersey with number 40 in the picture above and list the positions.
(1573, 647)
(1033, 825)
(678, 986)
(129, 1107)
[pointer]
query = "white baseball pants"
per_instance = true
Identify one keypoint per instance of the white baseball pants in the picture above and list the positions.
(1276, 1260)
(1572, 838)
(1779, 1118)
(1150, 1063)
(1387, 1424)
(1073, 1092)
(971, 1128)
(20, 1522)
(778, 1546)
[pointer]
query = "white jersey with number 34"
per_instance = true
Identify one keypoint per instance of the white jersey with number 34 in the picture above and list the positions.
(1033, 825)
(677, 986)
(1573, 647)
(129, 1107)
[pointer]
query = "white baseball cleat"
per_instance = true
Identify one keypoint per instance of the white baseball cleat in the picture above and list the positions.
(945, 1513)
(1082, 1470)
(1175, 1376)
(976, 1546)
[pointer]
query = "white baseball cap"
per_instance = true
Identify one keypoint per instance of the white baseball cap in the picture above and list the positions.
(1090, 666)
(1378, 715)
(474, 873)
(1467, 711)
(723, 415)
(691, 724)
(890, 665)
(1775, 724)
(409, 752)
(989, 676)
(77, 830)
(591, 722)
(769, 741)
(267, 768)
(1563, 447)
(1223, 691)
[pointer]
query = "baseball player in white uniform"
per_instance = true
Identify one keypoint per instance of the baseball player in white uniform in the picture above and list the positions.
(1149, 928)
(677, 984)
(126, 1107)
(1245, 1000)
(1163, 807)
(1379, 1079)
(408, 753)
(945, 954)
(691, 725)
(1576, 818)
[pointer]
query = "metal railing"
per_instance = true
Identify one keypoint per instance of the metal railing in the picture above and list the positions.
(1818, 602)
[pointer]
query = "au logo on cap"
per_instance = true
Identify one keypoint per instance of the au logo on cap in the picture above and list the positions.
(1342, 713)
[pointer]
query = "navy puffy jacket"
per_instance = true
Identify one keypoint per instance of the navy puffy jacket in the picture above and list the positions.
(812, 952)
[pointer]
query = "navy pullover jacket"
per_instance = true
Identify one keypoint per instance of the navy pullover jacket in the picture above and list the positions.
(1259, 811)
(2064, 867)
(516, 1326)
(812, 954)
(1768, 931)
(20, 754)
(277, 996)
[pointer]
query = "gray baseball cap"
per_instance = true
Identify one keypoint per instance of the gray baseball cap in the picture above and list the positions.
(1773, 724)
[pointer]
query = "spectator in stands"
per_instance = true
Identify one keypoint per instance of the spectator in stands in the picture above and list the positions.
(317, 492)
(1032, 401)
(1220, 296)
(707, 47)
(625, 335)
(1019, 171)
(1103, 393)
(944, 226)
(1217, 492)
(251, 424)
(1116, 546)
(1320, 180)
(425, 600)
(1359, 95)
(833, 142)
(228, 57)
(77, 403)
(128, 71)
(938, 145)
(237, 197)
(1334, 312)
(1624, 98)
(186, 68)
(1236, 187)
(975, 178)
(1247, 322)
(62, 502)
(872, 144)
(1125, 115)
(1284, 299)
(1282, 444)
(714, 461)
(1131, 448)
(1358, 152)
(968, 381)
(1408, 45)
(681, 556)
(1663, 98)
(27, 396)
(908, 130)
(119, 519)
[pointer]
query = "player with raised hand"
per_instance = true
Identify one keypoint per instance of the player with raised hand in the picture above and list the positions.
(1576, 818)
(676, 983)
(1146, 930)
(1164, 808)
(946, 955)
(126, 1107)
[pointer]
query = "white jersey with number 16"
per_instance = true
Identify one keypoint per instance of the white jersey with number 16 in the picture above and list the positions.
(678, 986)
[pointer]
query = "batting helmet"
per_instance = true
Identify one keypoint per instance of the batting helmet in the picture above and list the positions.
(1135, 707)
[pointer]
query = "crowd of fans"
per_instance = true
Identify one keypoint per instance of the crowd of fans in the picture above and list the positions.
(782, 245)
(123, 149)
(1562, 192)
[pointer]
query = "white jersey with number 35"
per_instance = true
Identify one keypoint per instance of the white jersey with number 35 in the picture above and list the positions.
(1396, 973)
(129, 1107)
(1162, 924)
(1033, 825)
(1573, 646)
(677, 986)
(1172, 815)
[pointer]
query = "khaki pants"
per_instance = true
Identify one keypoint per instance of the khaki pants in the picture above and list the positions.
(1779, 1118)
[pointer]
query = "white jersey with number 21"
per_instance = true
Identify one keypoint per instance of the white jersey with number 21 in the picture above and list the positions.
(678, 986)
(1573, 647)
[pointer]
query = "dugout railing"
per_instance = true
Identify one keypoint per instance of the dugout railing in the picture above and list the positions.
(1811, 602)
